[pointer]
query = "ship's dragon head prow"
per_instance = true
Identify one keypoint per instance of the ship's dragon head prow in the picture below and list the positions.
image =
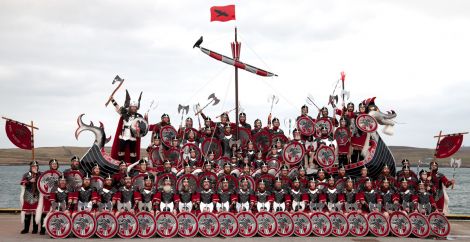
(385, 119)
(100, 135)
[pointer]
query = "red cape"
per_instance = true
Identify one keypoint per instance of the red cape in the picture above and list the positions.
(115, 147)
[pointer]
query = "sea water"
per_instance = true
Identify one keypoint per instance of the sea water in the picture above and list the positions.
(10, 177)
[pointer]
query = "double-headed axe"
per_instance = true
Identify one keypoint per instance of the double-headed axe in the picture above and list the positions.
(116, 79)
(213, 99)
(196, 110)
(183, 110)
(273, 100)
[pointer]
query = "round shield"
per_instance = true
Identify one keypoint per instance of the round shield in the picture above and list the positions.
(147, 224)
(263, 140)
(400, 224)
(302, 224)
(128, 225)
(106, 225)
(251, 181)
(192, 182)
(138, 181)
(83, 225)
(167, 133)
(228, 224)
(358, 225)
(342, 135)
(48, 181)
(267, 224)
(212, 144)
(321, 224)
(156, 157)
(167, 224)
(378, 224)
(306, 126)
(320, 124)
(187, 224)
(161, 180)
(285, 224)
(74, 180)
(366, 123)
(269, 179)
(284, 140)
(208, 224)
(139, 127)
(96, 182)
(293, 152)
(173, 155)
(339, 224)
(325, 156)
(419, 225)
(247, 225)
(211, 176)
(188, 130)
(439, 224)
(186, 154)
(244, 135)
(232, 182)
(58, 225)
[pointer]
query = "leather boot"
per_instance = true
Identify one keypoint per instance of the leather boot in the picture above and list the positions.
(35, 226)
(43, 226)
(27, 221)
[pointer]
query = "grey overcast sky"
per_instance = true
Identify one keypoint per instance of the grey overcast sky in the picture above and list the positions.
(58, 58)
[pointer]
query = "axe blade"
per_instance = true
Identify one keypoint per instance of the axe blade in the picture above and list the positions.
(186, 109)
(216, 101)
(211, 96)
(117, 79)
(179, 108)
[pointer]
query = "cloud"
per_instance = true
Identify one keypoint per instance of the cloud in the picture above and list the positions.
(59, 57)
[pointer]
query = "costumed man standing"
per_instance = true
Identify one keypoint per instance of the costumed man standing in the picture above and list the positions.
(439, 181)
(126, 144)
(29, 197)
(44, 205)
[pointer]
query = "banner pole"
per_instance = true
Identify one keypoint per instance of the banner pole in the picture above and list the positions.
(437, 145)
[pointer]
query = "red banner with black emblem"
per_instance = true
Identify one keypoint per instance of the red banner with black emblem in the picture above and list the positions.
(449, 145)
(19, 135)
(223, 13)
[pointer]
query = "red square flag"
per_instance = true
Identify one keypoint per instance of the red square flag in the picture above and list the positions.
(223, 13)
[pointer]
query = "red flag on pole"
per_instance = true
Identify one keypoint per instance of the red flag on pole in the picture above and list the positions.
(19, 134)
(223, 13)
(448, 146)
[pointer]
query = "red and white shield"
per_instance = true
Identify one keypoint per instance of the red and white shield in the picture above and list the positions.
(48, 181)
(83, 225)
(321, 224)
(263, 140)
(285, 224)
(340, 224)
(267, 224)
(400, 224)
(186, 154)
(378, 224)
(247, 224)
(128, 225)
(106, 225)
(244, 135)
(419, 225)
(208, 224)
(293, 152)
(228, 224)
(306, 126)
(323, 123)
(167, 133)
(156, 157)
(357, 224)
(439, 224)
(58, 225)
(302, 224)
(167, 224)
(325, 156)
(212, 144)
(187, 224)
(342, 135)
(366, 123)
(147, 225)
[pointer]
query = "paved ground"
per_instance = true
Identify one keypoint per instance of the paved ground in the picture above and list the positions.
(10, 226)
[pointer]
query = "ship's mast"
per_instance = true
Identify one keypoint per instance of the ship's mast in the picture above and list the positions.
(236, 56)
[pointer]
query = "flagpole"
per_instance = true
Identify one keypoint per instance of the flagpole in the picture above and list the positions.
(437, 145)
(32, 139)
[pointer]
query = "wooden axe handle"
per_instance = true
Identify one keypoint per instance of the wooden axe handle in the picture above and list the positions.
(114, 92)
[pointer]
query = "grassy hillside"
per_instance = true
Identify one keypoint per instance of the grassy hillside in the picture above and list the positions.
(64, 153)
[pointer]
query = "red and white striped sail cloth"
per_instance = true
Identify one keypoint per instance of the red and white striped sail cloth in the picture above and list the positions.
(235, 63)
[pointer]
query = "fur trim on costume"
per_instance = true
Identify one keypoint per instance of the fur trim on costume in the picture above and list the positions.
(39, 208)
